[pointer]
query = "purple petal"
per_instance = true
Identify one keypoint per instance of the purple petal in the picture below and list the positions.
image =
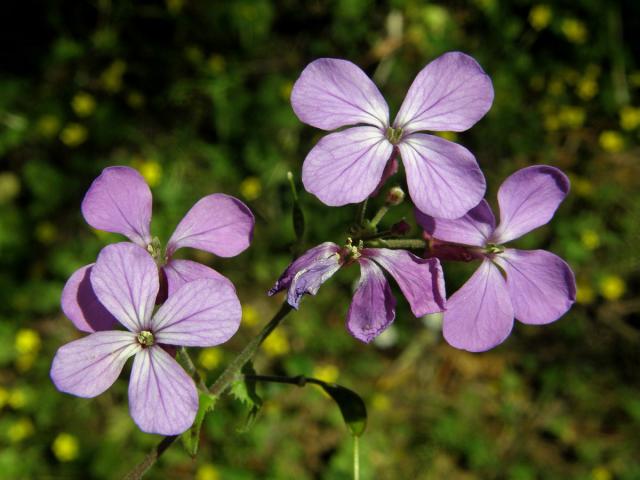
(119, 201)
(373, 307)
(479, 316)
(89, 366)
(125, 280)
(541, 285)
(179, 272)
(420, 279)
(450, 94)
(202, 313)
(81, 306)
(162, 397)
(528, 199)
(333, 93)
(218, 223)
(474, 228)
(346, 167)
(444, 178)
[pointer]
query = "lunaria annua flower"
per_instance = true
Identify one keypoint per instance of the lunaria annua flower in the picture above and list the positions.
(162, 397)
(450, 94)
(534, 286)
(373, 307)
(119, 201)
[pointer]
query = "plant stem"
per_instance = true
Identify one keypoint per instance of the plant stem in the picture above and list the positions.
(409, 243)
(356, 457)
(299, 380)
(379, 215)
(361, 212)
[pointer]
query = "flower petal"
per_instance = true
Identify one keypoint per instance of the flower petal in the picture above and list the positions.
(474, 228)
(179, 272)
(125, 280)
(89, 366)
(202, 313)
(162, 397)
(444, 178)
(119, 201)
(479, 316)
(528, 199)
(450, 94)
(541, 285)
(218, 223)
(420, 279)
(332, 93)
(80, 304)
(373, 307)
(346, 167)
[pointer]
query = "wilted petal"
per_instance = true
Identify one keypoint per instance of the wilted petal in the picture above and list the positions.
(420, 279)
(444, 178)
(541, 285)
(119, 201)
(373, 307)
(202, 313)
(528, 199)
(474, 228)
(479, 316)
(333, 93)
(162, 397)
(450, 94)
(81, 306)
(89, 366)
(179, 272)
(346, 167)
(125, 280)
(217, 223)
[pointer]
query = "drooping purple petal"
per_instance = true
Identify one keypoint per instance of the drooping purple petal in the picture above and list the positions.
(332, 93)
(178, 272)
(528, 199)
(346, 167)
(218, 223)
(80, 304)
(450, 94)
(125, 280)
(541, 285)
(479, 316)
(202, 313)
(474, 228)
(119, 201)
(162, 397)
(444, 178)
(420, 279)
(89, 366)
(373, 307)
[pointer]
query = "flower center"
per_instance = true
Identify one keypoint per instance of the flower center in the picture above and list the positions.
(493, 249)
(394, 135)
(352, 252)
(155, 250)
(145, 338)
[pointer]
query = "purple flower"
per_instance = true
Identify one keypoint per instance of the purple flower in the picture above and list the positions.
(162, 397)
(119, 201)
(534, 286)
(450, 94)
(373, 307)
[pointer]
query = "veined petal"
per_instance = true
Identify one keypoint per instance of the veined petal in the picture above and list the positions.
(333, 93)
(346, 167)
(474, 228)
(479, 316)
(179, 272)
(80, 304)
(444, 178)
(202, 313)
(218, 223)
(373, 307)
(162, 397)
(541, 285)
(450, 94)
(125, 280)
(420, 279)
(89, 366)
(528, 199)
(119, 201)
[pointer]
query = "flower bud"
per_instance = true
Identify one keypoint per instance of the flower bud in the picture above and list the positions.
(395, 197)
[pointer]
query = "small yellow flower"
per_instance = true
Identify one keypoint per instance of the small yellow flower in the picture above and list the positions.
(48, 125)
(208, 472)
(9, 186)
(251, 188)
(65, 447)
(574, 30)
(590, 239)
(46, 232)
(135, 99)
(584, 293)
(326, 372)
(572, 117)
(27, 341)
(381, 402)
(18, 399)
(4, 397)
(587, 88)
(540, 16)
(601, 473)
(612, 287)
(451, 136)
(151, 171)
(216, 63)
(210, 358)
(276, 344)
(73, 134)
(20, 430)
(111, 77)
(250, 315)
(611, 141)
(83, 104)
(629, 118)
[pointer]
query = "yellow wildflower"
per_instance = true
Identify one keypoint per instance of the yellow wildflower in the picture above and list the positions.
(612, 287)
(150, 170)
(73, 134)
(540, 16)
(9, 186)
(250, 315)
(208, 472)
(276, 344)
(601, 473)
(111, 78)
(587, 88)
(27, 341)
(210, 358)
(326, 372)
(20, 430)
(83, 104)
(18, 399)
(629, 118)
(251, 188)
(584, 293)
(574, 30)
(611, 141)
(381, 402)
(65, 447)
(590, 239)
(572, 117)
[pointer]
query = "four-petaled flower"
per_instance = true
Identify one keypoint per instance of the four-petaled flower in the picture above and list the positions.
(450, 94)
(373, 307)
(534, 286)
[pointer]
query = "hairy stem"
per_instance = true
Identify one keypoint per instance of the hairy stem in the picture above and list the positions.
(408, 243)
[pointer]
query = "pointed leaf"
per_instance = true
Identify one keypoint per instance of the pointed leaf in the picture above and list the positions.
(191, 438)
(352, 407)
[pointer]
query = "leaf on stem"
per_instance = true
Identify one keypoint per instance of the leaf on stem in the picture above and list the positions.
(191, 438)
(244, 390)
(352, 407)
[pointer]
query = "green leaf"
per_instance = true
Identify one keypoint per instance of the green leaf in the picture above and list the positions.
(191, 438)
(245, 391)
(352, 407)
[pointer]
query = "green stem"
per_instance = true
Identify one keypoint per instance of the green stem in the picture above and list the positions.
(299, 380)
(361, 212)
(379, 215)
(191, 368)
(356, 457)
(408, 243)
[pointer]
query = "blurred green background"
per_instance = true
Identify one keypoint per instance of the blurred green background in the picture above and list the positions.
(195, 95)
